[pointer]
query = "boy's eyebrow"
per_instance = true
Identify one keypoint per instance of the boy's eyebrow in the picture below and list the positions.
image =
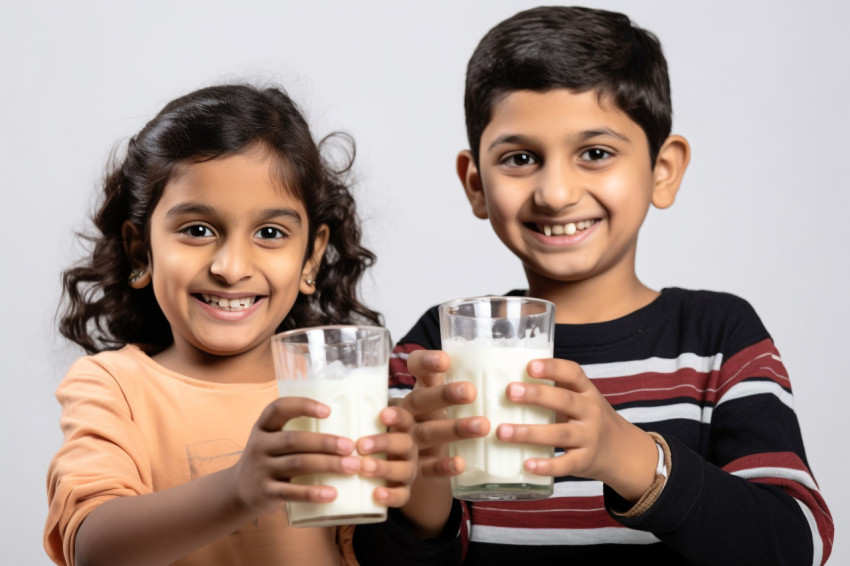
(205, 210)
(520, 139)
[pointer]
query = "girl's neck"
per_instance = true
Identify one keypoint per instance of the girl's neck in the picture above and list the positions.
(253, 366)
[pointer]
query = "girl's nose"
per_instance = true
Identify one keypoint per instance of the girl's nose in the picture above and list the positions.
(232, 262)
(558, 187)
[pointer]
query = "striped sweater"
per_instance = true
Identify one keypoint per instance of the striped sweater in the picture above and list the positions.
(700, 369)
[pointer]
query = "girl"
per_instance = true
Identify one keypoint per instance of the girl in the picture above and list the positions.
(222, 226)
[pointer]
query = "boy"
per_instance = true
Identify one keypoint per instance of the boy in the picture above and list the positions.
(676, 441)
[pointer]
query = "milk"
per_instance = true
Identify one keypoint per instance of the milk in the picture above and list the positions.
(356, 397)
(494, 469)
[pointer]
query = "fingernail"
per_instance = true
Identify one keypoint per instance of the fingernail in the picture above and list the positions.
(350, 464)
(506, 432)
(344, 445)
(475, 426)
(451, 466)
(382, 494)
(368, 465)
(367, 444)
(516, 390)
(390, 415)
(322, 410)
(530, 465)
(327, 493)
(535, 367)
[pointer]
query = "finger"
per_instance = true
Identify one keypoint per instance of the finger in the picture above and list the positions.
(563, 465)
(285, 491)
(562, 401)
(294, 465)
(441, 467)
(282, 409)
(428, 366)
(392, 496)
(284, 442)
(393, 471)
(563, 435)
(564, 373)
(427, 403)
(397, 419)
(393, 444)
(435, 433)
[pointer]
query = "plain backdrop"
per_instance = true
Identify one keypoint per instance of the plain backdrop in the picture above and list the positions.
(759, 89)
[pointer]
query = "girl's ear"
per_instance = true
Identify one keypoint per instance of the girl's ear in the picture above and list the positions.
(670, 165)
(137, 254)
(468, 174)
(311, 267)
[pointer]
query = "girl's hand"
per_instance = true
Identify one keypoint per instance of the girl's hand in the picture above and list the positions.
(273, 456)
(598, 443)
(427, 403)
(399, 467)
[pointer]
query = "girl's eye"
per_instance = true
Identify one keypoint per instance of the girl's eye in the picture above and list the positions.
(595, 154)
(198, 231)
(269, 233)
(519, 159)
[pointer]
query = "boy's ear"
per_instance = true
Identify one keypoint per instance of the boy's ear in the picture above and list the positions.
(137, 255)
(311, 267)
(469, 176)
(670, 165)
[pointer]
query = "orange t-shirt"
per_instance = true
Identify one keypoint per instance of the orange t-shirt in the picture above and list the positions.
(134, 427)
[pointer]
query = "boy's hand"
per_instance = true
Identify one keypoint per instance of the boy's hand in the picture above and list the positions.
(428, 403)
(598, 443)
(399, 468)
(273, 456)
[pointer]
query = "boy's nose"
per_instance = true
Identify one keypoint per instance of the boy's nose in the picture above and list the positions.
(232, 262)
(558, 188)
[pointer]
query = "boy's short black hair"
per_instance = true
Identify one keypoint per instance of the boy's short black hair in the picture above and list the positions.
(576, 48)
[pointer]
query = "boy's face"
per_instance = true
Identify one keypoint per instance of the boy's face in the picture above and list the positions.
(566, 182)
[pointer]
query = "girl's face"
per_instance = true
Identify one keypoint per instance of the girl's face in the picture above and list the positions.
(227, 255)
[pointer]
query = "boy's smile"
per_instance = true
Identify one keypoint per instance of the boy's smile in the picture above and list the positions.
(227, 252)
(566, 181)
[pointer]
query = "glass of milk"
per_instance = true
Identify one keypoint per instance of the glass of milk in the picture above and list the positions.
(344, 367)
(490, 341)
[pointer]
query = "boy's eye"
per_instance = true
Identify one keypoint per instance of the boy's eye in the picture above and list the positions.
(269, 233)
(198, 231)
(519, 159)
(595, 154)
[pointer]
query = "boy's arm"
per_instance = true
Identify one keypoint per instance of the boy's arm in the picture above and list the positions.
(756, 502)
(426, 530)
(747, 498)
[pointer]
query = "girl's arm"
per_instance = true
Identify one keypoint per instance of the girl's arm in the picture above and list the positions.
(161, 527)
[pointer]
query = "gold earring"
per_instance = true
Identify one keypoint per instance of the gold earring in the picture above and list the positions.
(135, 275)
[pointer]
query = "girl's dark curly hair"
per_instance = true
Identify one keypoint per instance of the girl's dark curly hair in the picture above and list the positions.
(100, 311)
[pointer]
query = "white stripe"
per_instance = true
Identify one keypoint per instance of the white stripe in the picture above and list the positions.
(798, 476)
(817, 543)
(398, 392)
(703, 364)
(547, 537)
(687, 411)
(400, 355)
(578, 489)
(750, 388)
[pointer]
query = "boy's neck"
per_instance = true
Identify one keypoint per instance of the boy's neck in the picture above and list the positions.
(591, 300)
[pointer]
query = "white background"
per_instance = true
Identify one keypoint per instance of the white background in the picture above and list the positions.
(759, 89)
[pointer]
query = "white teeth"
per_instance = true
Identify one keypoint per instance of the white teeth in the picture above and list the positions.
(228, 304)
(569, 228)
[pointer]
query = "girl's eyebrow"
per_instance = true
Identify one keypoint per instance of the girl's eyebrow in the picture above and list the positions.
(205, 210)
